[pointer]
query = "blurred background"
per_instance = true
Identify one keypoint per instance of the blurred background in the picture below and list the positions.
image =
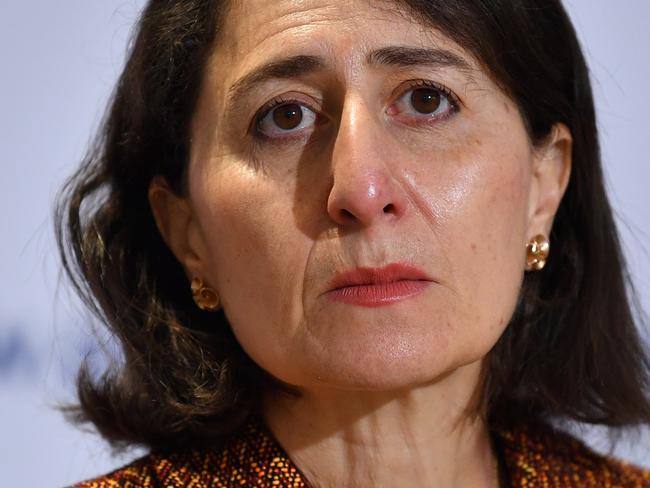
(60, 61)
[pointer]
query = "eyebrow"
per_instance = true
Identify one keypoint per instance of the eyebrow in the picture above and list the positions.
(292, 67)
(303, 65)
(402, 56)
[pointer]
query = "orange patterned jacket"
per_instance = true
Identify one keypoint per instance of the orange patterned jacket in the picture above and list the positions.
(533, 457)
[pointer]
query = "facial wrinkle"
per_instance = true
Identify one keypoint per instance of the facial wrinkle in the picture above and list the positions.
(297, 21)
(419, 203)
(432, 219)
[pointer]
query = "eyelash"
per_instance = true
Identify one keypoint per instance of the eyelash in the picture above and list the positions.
(452, 99)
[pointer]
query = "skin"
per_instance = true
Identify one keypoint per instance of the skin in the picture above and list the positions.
(388, 393)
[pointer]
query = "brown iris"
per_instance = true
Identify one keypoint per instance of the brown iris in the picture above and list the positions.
(425, 100)
(288, 116)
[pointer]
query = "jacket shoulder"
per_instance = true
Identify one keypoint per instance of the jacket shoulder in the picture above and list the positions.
(172, 470)
(536, 453)
(251, 457)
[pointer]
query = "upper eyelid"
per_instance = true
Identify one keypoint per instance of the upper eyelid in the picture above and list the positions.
(285, 99)
(454, 99)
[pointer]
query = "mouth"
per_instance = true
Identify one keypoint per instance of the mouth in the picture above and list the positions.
(375, 287)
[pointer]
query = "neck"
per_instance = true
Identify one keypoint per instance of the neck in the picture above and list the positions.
(429, 435)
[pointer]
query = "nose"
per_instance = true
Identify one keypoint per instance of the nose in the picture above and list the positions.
(364, 190)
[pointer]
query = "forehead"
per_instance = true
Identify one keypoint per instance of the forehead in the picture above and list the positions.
(256, 30)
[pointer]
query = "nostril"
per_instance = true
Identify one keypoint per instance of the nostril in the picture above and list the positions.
(357, 208)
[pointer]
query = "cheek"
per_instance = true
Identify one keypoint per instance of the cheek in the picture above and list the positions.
(487, 230)
(476, 199)
(496, 242)
(255, 256)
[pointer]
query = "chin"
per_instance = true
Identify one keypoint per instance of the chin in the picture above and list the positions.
(382, 365)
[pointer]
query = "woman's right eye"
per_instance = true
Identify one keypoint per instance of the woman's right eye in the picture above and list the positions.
(285, 119)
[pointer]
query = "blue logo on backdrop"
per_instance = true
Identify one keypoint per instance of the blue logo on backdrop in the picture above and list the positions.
(18, 357)
(25, 356)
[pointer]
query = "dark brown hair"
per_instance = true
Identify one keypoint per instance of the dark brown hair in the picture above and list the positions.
(571, 350)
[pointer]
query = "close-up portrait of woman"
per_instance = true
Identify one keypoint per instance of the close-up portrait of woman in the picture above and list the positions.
(360, 243)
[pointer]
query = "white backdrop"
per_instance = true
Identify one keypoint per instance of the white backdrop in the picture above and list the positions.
(59, 63)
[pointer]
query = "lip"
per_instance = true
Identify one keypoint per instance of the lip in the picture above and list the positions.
(375, 287)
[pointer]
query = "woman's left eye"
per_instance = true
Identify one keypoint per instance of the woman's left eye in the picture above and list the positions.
(425, 102)
(285, 118)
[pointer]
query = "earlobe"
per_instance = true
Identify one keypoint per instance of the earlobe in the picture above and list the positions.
(174, 220)
(551, 172)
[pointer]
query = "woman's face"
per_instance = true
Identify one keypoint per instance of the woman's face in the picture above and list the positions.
(332, 136)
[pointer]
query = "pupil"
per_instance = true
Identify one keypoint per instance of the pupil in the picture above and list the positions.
(288, 116)
(425, 100)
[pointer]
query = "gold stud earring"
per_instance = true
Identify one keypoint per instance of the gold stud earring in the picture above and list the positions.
(204, 296)
(537, 251)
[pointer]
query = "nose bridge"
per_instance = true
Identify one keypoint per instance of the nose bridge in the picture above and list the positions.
(363, 188)
(355, 134)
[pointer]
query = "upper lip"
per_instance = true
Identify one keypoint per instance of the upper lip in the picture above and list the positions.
(375, 276)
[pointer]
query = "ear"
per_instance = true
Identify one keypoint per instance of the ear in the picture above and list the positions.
(176, 224)
(550, 177)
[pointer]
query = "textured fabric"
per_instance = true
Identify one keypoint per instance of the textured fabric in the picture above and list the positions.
(252, 458)
(538, 456)
(532, 457)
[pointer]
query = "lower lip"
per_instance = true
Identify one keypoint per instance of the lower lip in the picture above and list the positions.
(380, 294)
